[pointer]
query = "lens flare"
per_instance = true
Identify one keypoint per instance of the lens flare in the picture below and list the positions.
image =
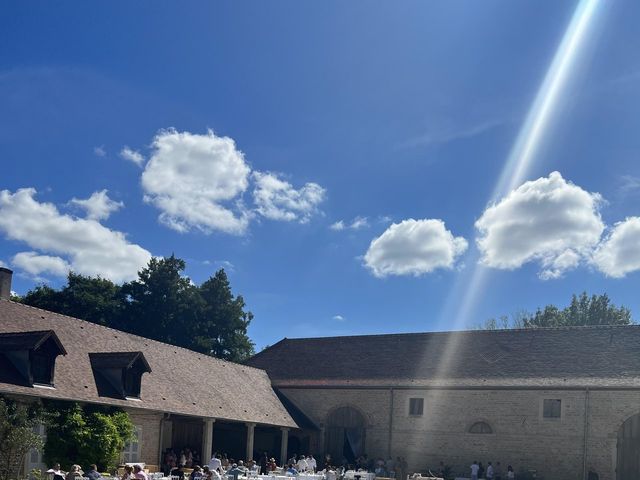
(470, 286)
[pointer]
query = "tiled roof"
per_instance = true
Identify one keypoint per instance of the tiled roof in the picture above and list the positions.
(117, 359)
(181, 381)
(602, 356)
(28, 340)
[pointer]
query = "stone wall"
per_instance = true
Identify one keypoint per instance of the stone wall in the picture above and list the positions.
(520, 435)
(150, 442)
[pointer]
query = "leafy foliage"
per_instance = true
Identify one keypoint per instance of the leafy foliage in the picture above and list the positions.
(17, 436)
(91, 298)
(581, 311)
(161, 304)
(86, 435)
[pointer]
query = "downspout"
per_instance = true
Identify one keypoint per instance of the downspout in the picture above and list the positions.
(390, 422)
(586, 433)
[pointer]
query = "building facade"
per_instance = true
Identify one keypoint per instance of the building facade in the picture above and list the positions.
(175, 397)
(557, 402)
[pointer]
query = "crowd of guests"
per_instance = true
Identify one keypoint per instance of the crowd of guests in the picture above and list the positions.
(491, 472)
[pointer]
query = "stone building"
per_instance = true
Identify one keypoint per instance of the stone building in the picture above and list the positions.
(559, 401)
(175, 397)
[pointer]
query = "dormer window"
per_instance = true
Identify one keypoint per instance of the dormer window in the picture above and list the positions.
(119, 374)
(30, 357)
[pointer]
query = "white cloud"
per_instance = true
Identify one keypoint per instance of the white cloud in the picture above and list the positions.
(89, 247)
(356, 224)
(276, 199)
(414, 247)
(338, 226)
(132, 155)
(99, 151)
(619, 252)
(548, 220)
(338, 318)
(629, 185)
(35, 264)
(190, 178)
(98, 206)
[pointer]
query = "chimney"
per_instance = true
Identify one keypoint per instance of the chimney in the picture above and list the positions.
(5, 283)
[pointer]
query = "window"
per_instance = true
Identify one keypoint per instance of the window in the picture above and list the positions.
(132, 384)
(551, 408)
(131, 450)
(481, 427)
(42, 368)
(416, 406)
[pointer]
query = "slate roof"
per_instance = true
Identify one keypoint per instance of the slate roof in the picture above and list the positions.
(577, 357)
(182, 381)
(117, 359)
(28, 340)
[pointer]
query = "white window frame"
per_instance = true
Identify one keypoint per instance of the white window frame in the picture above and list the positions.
(132, 450)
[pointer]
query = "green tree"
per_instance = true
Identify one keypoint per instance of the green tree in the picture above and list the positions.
(17, 436)
(162, 304)
(222, 329)
(86, 435)
(94, 299)
(583, 310)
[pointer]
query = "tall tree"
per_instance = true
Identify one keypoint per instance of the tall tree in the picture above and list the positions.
(162, 304)
(222, 329)
(94, 299)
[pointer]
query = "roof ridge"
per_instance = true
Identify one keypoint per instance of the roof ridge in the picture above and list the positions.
(19, 304)
(465, 332)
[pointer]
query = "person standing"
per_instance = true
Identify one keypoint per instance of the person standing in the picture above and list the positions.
(474, 470)
(497, 471)
(489, 471)
(510, 473)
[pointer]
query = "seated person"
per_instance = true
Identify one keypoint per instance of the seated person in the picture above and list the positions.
(236, 471)
(138, 473)
(291, 470)
(197, 473)
(93, 473)
(178, 472)
(74, 473)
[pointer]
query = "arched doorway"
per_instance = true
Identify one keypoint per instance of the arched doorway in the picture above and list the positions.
(628, 463)
(345, 434)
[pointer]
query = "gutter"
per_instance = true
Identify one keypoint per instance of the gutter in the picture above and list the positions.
(586, 433)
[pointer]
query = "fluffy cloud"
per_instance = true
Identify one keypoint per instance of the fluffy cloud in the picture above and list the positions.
(414, 247)
(356, 224)
(338, 318)
(276, 199)
(619, 252)
(191, 179)
(98, 206)
(132, 155)
(548, 220)
(35, 264)
(90, 248)
(100, 151)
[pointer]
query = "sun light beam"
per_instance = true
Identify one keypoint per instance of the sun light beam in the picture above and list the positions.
(467, 291)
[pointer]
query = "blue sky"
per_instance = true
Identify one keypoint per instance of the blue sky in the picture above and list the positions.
(254, 127)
